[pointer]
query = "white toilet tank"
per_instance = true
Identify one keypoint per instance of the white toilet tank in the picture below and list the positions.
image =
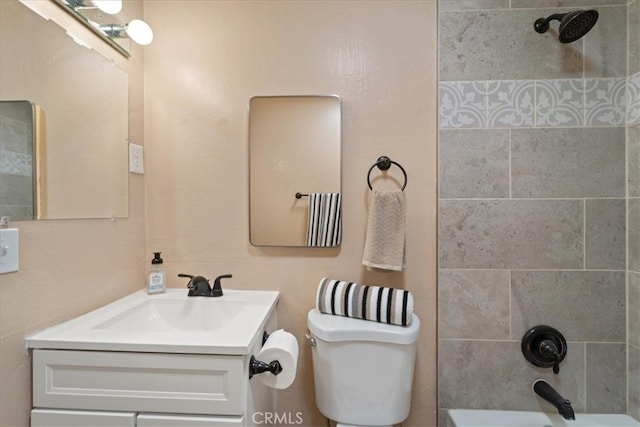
(363, 370)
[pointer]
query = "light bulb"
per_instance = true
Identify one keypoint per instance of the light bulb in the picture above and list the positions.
(140, 32)
(108, 6)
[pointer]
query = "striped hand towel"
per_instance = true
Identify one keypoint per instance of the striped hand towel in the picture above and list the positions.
(324, 223)
(379, 304)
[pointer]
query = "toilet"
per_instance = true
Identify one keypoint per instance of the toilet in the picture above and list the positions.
(362, 370)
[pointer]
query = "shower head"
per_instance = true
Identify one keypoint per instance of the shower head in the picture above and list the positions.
(573, 25)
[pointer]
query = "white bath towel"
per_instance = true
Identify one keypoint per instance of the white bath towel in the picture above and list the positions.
(324, 222)
(384, 245)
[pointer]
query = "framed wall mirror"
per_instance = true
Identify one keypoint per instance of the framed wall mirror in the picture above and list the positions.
(295, 171)
(79, 147)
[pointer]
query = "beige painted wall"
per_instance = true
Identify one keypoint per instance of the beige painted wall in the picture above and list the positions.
(207, 60)
(69, 267)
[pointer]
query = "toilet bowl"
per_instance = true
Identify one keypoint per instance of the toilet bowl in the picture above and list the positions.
(362, 370)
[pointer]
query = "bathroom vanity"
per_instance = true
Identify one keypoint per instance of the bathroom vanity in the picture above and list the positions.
(155, 361)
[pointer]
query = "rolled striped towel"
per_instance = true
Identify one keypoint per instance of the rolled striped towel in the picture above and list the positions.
(375, 303)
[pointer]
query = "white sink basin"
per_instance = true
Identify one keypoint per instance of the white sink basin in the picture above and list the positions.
(166, 323)
(187, 314)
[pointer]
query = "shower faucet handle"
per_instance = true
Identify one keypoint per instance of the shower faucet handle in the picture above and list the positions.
(549, 350)
(545, 347)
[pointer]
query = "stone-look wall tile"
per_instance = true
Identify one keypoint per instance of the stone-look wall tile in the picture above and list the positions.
(451, 5)
(474, 163)
(497, 376)
(19, 213)
(443, 419)
(12, 132)
(564, 3)
(605, 102)
(478, 46)
(568, 162)
(606, 378)
(605, 45)
(559, 103)
(634, 37)
(15, 135)
(462, 104)
(633, 99)
(633, 234)
(633, 160)
(16, 190)
(557, 298)
(510, 104)
(605, 234)
(633, 301)
(511, 234)
(13, 163)
(634, 382)
(473, 304)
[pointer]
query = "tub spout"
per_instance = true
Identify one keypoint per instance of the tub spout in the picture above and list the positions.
(548, 393)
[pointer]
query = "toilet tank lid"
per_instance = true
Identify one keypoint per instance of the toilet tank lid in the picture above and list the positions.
(339, 328)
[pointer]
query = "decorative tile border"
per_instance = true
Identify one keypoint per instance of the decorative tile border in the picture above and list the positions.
(540, 103)
(510, 103)
(559, 103)
(605, 102)
(633, 99)
(462, 104)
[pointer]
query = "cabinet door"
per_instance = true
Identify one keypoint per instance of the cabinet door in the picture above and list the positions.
(144, 382)
(161, 420)
(64, 418)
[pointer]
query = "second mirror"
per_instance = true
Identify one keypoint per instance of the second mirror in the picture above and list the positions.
(295, 171)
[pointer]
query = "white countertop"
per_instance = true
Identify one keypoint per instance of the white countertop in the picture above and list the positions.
(166, 323)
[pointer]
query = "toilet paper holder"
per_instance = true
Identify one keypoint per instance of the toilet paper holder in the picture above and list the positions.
(257, 367)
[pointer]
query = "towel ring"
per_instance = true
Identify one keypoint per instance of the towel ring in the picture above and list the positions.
(384, 163)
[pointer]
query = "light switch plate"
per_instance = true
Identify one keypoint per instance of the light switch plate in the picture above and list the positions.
(136, 158)
(8, 250)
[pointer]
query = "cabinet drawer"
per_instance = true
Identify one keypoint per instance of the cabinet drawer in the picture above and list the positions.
(161, 420)
(62, 418)
(141, 382)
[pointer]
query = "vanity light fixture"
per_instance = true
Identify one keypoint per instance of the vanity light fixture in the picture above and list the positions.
(110, 7)
(137, 30)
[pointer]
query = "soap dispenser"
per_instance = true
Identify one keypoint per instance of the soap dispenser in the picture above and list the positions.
(157, 276)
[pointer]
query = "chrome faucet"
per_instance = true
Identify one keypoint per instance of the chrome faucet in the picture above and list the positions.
(548, 393)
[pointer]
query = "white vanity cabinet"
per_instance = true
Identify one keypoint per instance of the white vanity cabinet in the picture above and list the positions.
(118, 389)
(144, 384)
(65, 418)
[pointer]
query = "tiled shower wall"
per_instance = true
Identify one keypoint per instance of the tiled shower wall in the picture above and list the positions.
(16, 160)
(534, 193)
(633, 212)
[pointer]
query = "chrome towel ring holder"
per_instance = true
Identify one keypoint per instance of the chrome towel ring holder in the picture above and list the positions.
(384, 163)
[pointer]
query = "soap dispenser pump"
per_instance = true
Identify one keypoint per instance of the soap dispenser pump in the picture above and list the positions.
(157, 275)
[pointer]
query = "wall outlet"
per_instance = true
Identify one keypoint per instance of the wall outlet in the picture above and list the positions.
(136, 158)
(8, 250)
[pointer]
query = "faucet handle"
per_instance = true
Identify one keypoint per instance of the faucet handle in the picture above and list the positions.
(190, 285)
(545, 347)
(217, 286)
(548, 349)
